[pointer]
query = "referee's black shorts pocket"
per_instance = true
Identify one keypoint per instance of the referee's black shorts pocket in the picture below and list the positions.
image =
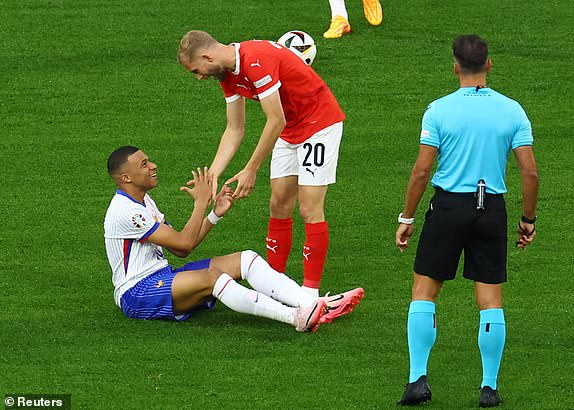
(429, 211)
(437, 207)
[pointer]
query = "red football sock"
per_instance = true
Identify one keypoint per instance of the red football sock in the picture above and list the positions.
(314, 253)
(278, 241)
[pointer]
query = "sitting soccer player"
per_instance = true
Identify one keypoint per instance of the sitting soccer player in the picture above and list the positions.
(146, 287)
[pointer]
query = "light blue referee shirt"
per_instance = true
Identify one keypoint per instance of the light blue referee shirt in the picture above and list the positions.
(474, 132)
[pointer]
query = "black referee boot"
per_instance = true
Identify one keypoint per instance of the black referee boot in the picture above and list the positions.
(489, 397)
(416, 393)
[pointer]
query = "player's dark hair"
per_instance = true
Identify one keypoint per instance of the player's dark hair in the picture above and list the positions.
(119, 158)
(470, 52)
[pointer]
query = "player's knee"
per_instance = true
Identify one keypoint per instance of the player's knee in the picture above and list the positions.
(213, 274)
(248, 257)
(425, 288)
(488, 296)
(279, 208)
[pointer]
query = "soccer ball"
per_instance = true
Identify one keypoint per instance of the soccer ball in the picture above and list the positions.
(301, 43)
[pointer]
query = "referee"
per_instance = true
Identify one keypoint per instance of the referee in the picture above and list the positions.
(472, 131)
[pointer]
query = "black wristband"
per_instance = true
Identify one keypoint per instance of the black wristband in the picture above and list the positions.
(528, 220)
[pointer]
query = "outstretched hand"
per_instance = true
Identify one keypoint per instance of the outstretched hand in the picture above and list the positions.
(404, 232)
(201, 183)
(223, 201)
(245, 182)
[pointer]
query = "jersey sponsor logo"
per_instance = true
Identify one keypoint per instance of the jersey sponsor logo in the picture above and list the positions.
(263, 81)
(139, 221)
(425, 133)
(159, 284)
(256, 64)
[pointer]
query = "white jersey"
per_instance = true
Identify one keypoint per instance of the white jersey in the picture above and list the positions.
(127, 226)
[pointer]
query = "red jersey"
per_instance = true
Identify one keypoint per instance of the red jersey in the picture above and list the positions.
(263, 67)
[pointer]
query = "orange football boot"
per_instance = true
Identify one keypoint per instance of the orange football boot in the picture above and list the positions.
(373, 11)
(339, 26)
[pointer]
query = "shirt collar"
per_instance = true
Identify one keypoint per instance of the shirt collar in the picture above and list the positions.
(120, 192)
(237, 59)
(474, 87)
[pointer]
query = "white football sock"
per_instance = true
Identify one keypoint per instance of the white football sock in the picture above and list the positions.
(263, 278)
(243, 300)
(313, 292)
(338, 9)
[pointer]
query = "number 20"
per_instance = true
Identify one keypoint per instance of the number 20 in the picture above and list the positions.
(318, 154)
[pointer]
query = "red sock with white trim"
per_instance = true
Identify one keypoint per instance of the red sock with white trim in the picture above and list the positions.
(314, 253)
(278, 242)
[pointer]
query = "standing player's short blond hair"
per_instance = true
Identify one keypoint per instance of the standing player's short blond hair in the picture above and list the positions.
(192, 43)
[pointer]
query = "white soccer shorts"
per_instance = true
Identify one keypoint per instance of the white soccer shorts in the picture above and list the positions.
(314, 161)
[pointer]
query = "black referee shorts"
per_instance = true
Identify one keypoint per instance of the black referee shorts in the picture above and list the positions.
(453, 224)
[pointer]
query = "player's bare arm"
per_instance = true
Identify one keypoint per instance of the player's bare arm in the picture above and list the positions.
(417, 183)
(230, 141)
(529, 174)
(274, 125)
(182, 243)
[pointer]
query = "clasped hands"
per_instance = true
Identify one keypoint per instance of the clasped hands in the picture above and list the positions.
(203, 189)
(245, 182)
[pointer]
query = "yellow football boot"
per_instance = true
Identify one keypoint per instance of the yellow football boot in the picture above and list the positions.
(373, 11)
(339, 26)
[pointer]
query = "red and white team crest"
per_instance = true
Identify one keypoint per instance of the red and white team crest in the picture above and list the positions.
(139, 221)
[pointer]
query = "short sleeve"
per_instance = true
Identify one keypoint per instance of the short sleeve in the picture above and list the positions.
(263, 72)
(136, 223)
(230, 95)
(429, 130)
(523, 135)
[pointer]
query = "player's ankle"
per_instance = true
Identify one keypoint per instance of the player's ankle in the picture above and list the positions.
(311, 291)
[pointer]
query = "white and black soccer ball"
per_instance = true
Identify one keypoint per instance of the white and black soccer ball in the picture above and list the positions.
(301, 43)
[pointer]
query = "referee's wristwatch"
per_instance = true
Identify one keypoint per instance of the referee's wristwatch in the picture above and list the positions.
(528, 220)
(406, 221)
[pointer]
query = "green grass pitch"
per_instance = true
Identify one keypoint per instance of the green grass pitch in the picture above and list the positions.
(80, 78)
